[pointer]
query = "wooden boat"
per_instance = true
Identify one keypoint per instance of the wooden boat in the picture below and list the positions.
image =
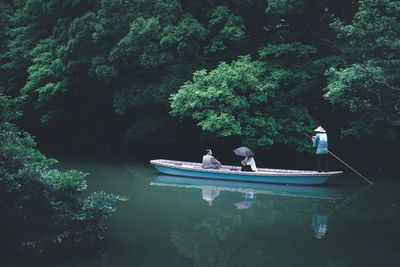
(263, 175)
(316, 192)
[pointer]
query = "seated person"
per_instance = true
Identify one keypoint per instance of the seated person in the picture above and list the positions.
(209, 162)
(249, 164)
(245, 167)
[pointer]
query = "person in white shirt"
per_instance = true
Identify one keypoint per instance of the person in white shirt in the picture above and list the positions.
(209, 162)
(249, 164)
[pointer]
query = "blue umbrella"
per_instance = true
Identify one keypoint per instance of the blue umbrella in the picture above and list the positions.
(244, 151)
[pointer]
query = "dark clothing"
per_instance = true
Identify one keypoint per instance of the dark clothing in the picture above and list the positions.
(322, 162)
(320, 142)
(246, 168)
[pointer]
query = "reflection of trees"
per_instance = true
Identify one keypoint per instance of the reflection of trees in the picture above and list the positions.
(283, 231)
(251, 237)
(208, 243)
(290, 230)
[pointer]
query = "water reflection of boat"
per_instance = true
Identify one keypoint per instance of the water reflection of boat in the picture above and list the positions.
(247, 202)
(209, 195)
(249, 188)
(263, 175)
(212, 189)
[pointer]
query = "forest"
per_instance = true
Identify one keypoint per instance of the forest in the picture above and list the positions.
(126, 76)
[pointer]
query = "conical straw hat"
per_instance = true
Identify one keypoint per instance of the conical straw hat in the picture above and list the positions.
(320, 129)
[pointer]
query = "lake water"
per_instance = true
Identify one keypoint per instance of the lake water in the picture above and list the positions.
(170, 221)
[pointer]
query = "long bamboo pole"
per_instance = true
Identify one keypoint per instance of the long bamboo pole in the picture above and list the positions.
(348, 199)
(342, 161)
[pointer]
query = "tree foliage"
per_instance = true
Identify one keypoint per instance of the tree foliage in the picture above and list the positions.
(132, 55)
(366, 82)
(41, 206)
(258, 100)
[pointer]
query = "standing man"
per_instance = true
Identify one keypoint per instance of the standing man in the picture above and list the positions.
(320, 142)
(209, 162)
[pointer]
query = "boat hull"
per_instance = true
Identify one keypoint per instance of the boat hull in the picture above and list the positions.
(273, 176)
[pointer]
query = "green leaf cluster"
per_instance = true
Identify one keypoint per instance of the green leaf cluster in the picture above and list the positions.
(40, 204)
(253, 99)
(366, 83)
(132, 55)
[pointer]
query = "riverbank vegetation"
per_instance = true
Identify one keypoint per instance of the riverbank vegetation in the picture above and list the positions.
(42, 207)
(111, 67)
(110, 74)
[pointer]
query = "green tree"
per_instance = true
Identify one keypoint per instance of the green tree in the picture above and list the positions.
(75, 61)
(258, 100)
(366, 83)
(41, 206)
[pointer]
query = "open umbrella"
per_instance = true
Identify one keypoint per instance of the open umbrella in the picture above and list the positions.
(243, 151)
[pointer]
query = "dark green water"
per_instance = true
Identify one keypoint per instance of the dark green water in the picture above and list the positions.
(166, 223)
